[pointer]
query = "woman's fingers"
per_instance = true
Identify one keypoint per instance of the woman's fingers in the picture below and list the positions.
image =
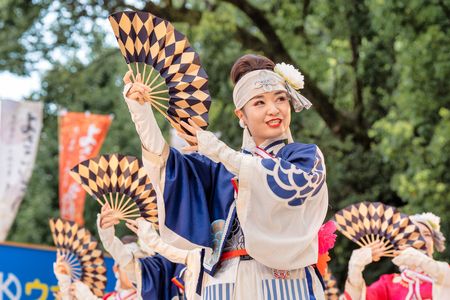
(188, 138)
(132, 222)
(131, 227)
(188, 127)
(108, 224)
(108, 219)
(140, 86)
(137, 96)
(190, 149)
(127, 77)
(378, 248)
(193, 124)
(106, 208)
(106, 215)
(136, 88)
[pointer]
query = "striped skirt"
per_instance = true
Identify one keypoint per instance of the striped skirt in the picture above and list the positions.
(244, 280)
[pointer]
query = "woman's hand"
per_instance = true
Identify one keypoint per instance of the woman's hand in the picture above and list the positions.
(61, 266)
(108, 217)
(192, 128)
(410, 258)
(132, 225)
(378, 248)
(138, 90)
(143, 229)
(140, 226)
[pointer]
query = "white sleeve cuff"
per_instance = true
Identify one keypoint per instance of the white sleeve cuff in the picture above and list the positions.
(106, 235)
(148, 235)
(361, 258)
(358, 261)
(216, 150)
(64, 282)
(146, 125)
(192, 274)
(121, 254)
(82, 291)
(416, 260)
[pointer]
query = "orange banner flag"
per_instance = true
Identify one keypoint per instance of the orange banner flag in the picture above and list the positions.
(81, 136)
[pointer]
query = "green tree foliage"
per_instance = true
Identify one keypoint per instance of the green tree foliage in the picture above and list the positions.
(376, 71)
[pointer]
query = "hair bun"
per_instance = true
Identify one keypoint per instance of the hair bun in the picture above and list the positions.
(248, 63)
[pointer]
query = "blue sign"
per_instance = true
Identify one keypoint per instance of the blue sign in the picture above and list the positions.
(26, 272)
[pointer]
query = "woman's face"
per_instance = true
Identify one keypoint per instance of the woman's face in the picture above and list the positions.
(427, 235)
(266, 115)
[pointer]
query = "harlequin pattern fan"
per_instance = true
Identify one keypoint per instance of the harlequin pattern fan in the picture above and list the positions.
(367, 222)
(81, 253)
(120, 181)
(331, 288)
(148, 41)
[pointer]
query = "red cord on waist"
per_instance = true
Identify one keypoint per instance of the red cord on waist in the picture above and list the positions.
(233, 254)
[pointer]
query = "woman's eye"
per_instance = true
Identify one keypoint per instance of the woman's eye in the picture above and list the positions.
(281, 99)
(259, 102)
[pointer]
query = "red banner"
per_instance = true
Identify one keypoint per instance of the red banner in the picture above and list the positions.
(81, 136)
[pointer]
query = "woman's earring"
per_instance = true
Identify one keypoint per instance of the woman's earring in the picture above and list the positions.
(241, 123)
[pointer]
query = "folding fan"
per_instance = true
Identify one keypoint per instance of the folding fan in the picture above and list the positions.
(331, 288)
(120, 181)
(368, 222)
(146, 40)
(80, 252)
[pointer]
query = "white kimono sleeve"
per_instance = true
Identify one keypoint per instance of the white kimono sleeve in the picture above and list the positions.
(120, 253)
(355, 285)
(155, 152)
(154, 146)
(439, 271)
(82, 291)
(64, 282)
(280, 205)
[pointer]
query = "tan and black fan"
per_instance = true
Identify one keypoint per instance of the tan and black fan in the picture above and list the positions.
(179, 87)
(81, 253)
(368, 222)
(122, 182)
(332, 291)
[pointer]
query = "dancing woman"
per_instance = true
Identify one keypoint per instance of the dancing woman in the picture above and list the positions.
(256, 212)
(421, 276)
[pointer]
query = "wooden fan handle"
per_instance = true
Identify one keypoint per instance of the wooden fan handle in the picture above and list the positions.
(132, 72)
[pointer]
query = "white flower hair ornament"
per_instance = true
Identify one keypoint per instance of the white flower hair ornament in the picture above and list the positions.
(429, 219)
(294, 82)
(433, 223)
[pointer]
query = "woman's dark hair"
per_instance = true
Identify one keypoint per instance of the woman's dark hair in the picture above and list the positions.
(248, 63)
(128, 239)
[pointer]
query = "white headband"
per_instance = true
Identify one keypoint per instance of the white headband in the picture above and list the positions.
(283, 78)
(255, 83)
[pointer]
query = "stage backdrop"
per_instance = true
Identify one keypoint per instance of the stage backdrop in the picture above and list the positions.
(81, 136)
(20, 127)
(26, 272)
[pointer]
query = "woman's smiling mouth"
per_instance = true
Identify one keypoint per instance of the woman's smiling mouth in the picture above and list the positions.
(274, 123)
